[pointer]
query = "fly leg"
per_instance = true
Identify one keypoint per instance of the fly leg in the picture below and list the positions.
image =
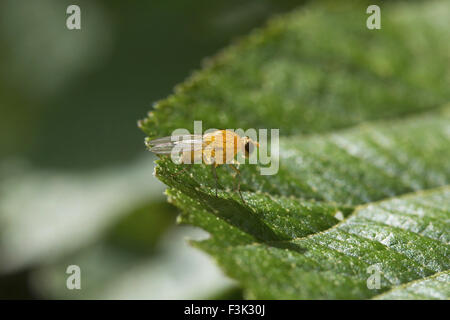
(187, 167)
(213, 167)
(237, 176)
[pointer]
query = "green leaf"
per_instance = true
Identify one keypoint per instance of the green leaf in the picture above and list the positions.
(406, 238)
(434, 287)
(363, 163)
(319, 69)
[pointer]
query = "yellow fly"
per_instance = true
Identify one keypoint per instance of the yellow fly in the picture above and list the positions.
(215, 148)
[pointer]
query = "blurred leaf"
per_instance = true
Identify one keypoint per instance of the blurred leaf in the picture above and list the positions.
(140, 230)
(46, 214)
(312, 74)
(173, 271)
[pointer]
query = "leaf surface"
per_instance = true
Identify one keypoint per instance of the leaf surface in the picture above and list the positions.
(363, 159)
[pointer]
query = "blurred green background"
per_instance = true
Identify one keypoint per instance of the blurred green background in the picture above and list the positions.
(76, 184)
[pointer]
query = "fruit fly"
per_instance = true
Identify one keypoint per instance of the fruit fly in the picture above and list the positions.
(214, 149)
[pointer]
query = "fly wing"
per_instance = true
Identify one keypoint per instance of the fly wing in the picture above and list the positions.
(163, 148)
(165, 140)
(177, 144)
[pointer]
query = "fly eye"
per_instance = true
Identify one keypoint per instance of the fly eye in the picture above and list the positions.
(249, 147)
